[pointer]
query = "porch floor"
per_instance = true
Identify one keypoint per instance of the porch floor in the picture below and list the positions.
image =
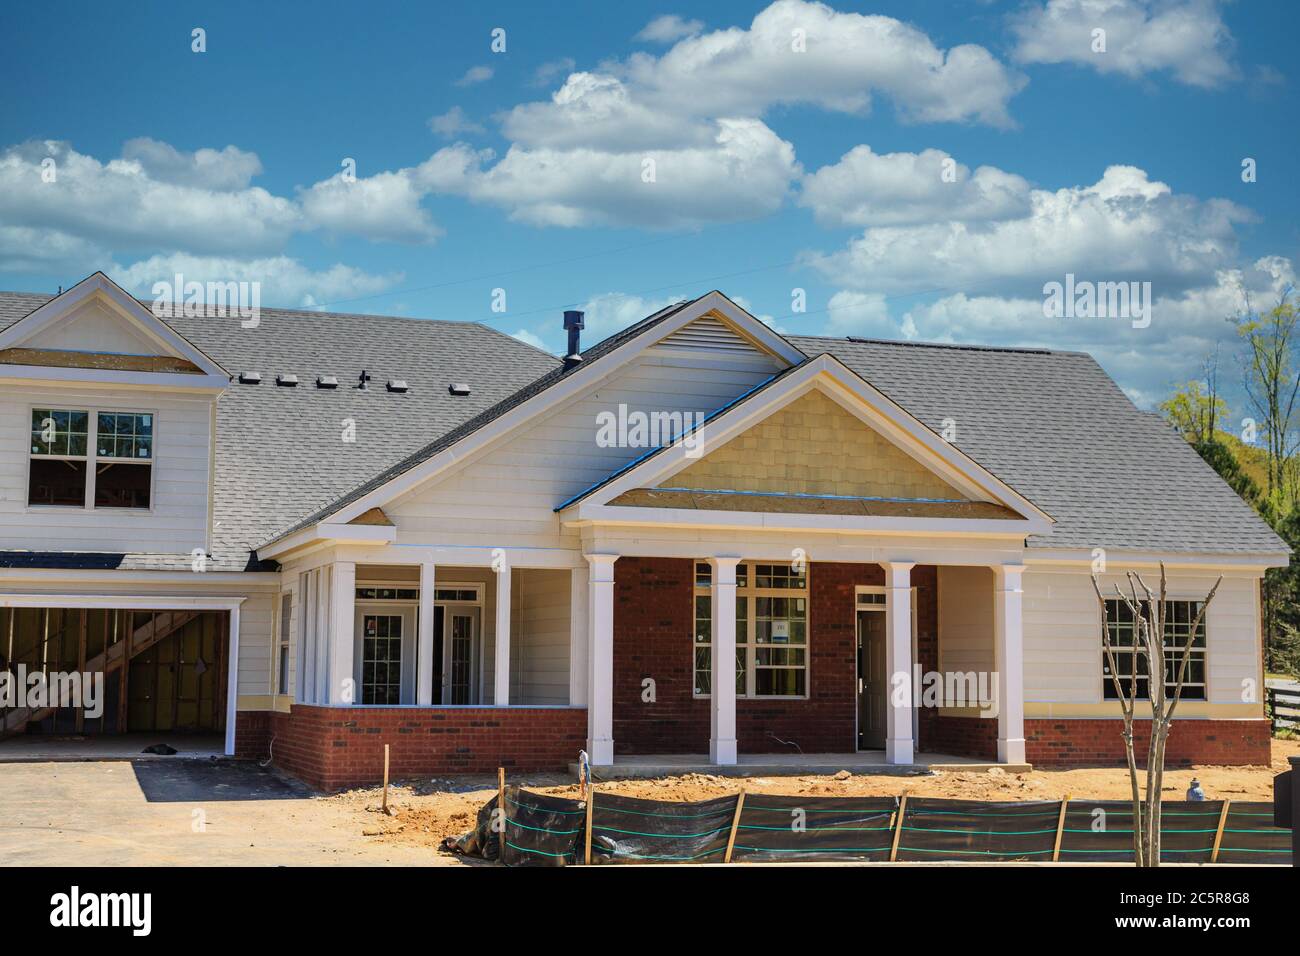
(640, 766)
(28, 748)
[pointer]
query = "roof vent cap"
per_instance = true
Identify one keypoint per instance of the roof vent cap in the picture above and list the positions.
(250, 378)
(573, 324)
(397, 385)
(288, 380)
(327, 381)
(458, 388)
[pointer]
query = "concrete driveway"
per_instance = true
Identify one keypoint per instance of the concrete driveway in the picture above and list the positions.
(178, 812)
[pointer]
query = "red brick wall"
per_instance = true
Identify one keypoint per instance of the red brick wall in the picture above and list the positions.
(960, 736)
(336, 747)
(653, 627)
(1081, 742)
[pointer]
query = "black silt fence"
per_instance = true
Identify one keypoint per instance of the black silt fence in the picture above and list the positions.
(783, 829)
(630, 830)
(971, 830)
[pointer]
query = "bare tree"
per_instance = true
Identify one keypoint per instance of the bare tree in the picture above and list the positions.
(1149, 611)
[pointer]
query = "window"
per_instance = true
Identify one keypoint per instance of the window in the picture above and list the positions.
(286, 618)
(77, 458)
(1179, 616)
(123, 459)
(771, 630)
(388, 594)
(381, 659)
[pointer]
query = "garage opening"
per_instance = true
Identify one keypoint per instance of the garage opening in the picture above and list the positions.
(109, 671)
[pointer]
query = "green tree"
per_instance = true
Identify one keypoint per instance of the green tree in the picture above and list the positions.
(1195, 411)
(1272, 383)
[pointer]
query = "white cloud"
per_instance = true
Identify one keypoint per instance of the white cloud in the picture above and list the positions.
(453, 123)
(746, 171)
(1123, 226)
(669, 28)
(604, 314)
(890, 189)
(382, 207)
(549, 70)
(866, 315)
(227, 170)
(123, 204)
(475, 75)
(528, 338)
(1185, 37)
(284, 281)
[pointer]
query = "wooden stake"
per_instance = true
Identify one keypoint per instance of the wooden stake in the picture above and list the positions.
(591, 800)
(1060, 829)
(735, 822)
(898, 827)
(1218, 834)
(385, 805)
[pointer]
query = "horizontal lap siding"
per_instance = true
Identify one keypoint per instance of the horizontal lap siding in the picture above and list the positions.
(178, 521)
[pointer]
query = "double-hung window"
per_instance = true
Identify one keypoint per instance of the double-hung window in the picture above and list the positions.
(771, 630)
(1122, 630)
(83, 458)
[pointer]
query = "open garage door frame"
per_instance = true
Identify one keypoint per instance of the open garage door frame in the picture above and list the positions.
(157, 602)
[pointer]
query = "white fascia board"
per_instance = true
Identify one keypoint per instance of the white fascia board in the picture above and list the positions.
(167, 338)
(1202, 560)
(154, 381)
(573, 384)
(593, 514)
(79, 577)
(947, 460)
(132, 602)
(325, 534)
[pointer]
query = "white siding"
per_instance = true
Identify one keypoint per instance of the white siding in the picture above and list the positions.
(255, 616)
(178, 520)
(1063, 649)
(539, 643)
(506, 496)
(965, 619)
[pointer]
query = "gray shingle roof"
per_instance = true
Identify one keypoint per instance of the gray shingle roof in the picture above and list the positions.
(280, 451)
(1053, 426)
(1050, 424)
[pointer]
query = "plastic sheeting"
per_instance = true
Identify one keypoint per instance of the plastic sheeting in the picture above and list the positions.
(971, 830)
(783, 829)
(629, 830)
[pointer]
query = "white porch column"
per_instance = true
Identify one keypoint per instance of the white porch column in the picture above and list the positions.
(501, 683)
(232, 679)
(898, 661)
(1009, 659)
(600, 633)
(722, 696)
(342, 653)
(578, 666)
(424, 631)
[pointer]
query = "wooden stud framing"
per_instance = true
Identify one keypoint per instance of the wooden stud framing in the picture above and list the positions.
(81, 663)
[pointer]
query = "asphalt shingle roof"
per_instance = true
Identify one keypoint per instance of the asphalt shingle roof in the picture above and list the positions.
(1058, 430)
(1050, 424)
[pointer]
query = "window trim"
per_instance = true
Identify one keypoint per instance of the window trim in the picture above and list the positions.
(91, 458)
(1106, 681)
(751, 592)
(283, 645)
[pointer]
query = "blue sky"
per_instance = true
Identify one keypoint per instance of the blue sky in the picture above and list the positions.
(775, 168)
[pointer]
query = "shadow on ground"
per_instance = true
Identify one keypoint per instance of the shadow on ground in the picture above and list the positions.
(218, 779)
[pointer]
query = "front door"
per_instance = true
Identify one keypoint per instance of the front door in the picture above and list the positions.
(385, 672)
(873, 684)
(461, 655)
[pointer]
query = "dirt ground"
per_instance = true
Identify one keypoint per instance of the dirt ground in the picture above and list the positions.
(426, 812)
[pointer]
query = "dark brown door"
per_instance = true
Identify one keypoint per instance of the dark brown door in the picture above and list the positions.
(873, 685)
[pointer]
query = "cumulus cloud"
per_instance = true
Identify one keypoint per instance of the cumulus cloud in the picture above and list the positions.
(873, 189)
(1188, 38)
(745, 171)
(865, 315)
(382, 207)
(284, 280)
(453, 123)
(669, 28)
(157, 198)
(1123, 226)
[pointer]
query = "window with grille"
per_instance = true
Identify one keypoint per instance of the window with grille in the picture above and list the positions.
(1121, 627)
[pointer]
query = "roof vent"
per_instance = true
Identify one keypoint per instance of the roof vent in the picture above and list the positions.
(397, 385)
(573, 324)
(250, 378)
(458, 388)
(327, 381)
(288, 380)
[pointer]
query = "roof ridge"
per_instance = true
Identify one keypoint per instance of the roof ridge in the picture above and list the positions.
(969, 347)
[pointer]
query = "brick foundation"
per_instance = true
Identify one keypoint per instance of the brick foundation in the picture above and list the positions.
(960, 736)
(337, 747)
(1097, 742)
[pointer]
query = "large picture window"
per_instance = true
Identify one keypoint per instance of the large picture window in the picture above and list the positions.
(82, 459)
(1120, 625)
(771, 630)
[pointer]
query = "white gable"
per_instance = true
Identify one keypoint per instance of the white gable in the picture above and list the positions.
(95, 327)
